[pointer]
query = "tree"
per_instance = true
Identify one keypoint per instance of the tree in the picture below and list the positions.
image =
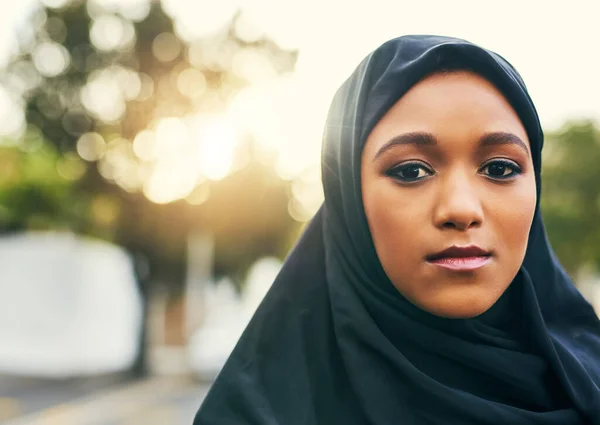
(571, 194)
(89, 93)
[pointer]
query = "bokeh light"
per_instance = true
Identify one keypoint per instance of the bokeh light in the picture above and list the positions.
(22, 77)
(110, 32)
(91, 146)
(12, 118)
(51, 59)
(307, 195)
(169, 182)
(146, 87)
(71, 167)
(106, 91)
(55, 4)
(253, 66)
(172, 139)
(247, 29)
(199, 195)
(195, 19)
(166, 47)
(191, 82)
(144, 145)
(213, 54)
(133, 10)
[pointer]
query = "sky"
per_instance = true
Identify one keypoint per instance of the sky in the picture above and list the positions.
(554, 45)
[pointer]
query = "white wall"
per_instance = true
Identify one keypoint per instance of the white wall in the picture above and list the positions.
(68, 306)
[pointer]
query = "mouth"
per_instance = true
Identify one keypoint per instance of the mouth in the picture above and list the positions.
(458, 258)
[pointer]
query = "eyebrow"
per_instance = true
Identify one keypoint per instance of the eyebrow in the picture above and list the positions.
(428, 139)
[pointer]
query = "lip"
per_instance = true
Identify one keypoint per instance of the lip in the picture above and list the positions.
(461, 263)
(458, 258)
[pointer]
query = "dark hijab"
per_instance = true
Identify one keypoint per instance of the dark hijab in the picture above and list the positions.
(334, 342)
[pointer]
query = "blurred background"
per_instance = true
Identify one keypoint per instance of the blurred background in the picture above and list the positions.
(158, 159)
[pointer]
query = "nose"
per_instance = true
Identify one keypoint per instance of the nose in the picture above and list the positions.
(458, 205)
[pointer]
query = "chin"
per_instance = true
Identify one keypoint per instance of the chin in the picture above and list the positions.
(467, 313)
(460, 309)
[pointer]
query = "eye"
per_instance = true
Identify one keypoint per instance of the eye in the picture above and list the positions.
(501, 169)
(410, 172)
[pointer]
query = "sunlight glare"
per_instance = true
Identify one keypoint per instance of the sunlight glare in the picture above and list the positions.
(170, 181)
(217, 141)
(172, 139)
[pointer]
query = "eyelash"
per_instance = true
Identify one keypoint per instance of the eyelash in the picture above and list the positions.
(516, 170)
(395, 171)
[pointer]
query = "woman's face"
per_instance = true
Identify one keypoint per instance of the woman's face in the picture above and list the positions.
(449, 165)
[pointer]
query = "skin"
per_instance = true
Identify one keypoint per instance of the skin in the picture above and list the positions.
(421, 198)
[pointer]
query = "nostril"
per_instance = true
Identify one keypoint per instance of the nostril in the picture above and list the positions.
(460, 225)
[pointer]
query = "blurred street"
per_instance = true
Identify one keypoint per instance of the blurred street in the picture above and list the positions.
(169, 400)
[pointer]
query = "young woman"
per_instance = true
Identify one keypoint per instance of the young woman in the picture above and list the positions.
(424, 291)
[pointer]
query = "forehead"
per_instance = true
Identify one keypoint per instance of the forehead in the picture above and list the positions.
(455, 104)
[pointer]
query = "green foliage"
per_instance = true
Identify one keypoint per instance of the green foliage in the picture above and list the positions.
(571, 194)
(37, 189)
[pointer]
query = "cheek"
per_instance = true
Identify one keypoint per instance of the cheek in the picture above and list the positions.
(513, 216)
(392, 220)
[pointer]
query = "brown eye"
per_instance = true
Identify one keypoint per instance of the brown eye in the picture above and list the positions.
(411, 172)
(501, 170)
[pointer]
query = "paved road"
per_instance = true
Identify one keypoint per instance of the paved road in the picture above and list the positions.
(22, 395)
(157, 401)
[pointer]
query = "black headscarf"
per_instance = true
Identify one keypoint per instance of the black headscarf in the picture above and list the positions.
(334, 342)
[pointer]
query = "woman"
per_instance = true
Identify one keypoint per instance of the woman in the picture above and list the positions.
(424, 291)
